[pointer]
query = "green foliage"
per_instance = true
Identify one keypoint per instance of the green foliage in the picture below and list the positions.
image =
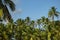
(20, 30)
(26, 29)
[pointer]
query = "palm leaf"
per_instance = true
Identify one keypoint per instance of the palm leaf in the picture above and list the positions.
(6, 14)
(10, 4)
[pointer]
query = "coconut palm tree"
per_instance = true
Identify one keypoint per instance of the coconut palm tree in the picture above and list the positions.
(39, 23)
(4, 4)
(32, 24)
(27, 21)
(53, 12)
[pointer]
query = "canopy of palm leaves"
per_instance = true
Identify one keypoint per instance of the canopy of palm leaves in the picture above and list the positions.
(4, 4)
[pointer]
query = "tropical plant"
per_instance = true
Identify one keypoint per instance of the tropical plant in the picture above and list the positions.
(5, 14)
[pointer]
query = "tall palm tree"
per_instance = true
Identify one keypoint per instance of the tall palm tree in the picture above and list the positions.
(53, 13)
(4, 4)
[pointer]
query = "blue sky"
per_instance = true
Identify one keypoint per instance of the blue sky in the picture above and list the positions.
(35, 9)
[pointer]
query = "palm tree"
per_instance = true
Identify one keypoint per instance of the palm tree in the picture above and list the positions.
(43, 19)
(42, 22)
(53, 13)
(27, 21)
(39, 23)
(32, 24)
(4, 4)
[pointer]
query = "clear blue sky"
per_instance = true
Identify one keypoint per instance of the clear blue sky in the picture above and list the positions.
(35, 9)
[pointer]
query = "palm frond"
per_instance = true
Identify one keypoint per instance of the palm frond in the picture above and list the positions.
(10, 4)
(6, 14)
(49, 14)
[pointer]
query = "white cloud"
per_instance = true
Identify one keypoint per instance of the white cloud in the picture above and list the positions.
(17, 3)
(18, 11)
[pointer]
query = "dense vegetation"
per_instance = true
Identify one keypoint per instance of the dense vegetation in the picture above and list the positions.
(27, 29)
(30, 30)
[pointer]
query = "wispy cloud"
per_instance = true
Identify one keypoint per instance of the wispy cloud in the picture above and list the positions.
(18, 11)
